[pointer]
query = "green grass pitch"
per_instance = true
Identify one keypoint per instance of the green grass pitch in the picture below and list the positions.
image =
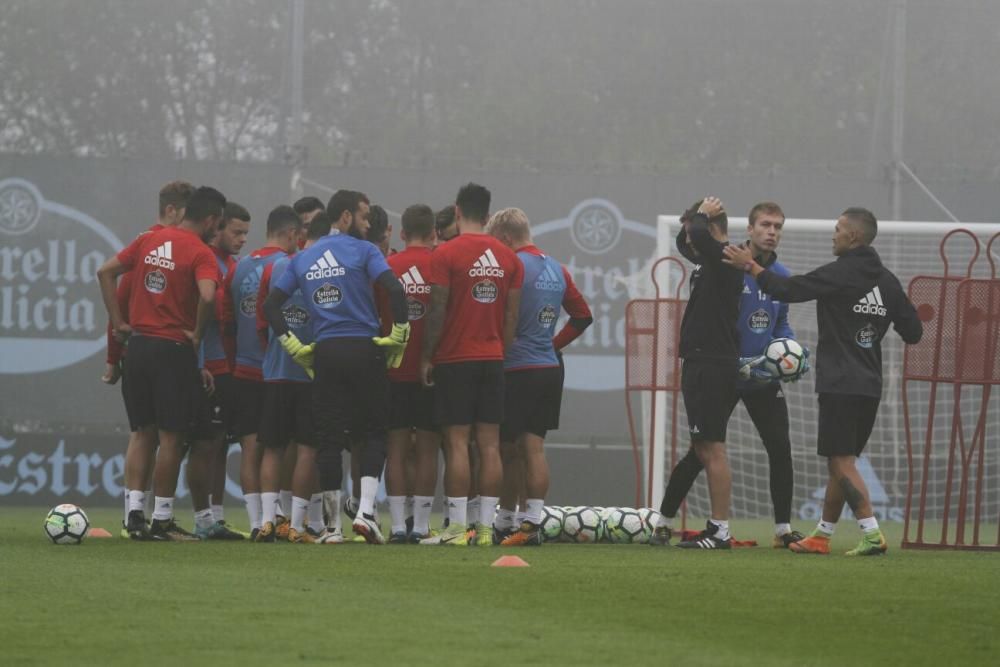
(110, 602)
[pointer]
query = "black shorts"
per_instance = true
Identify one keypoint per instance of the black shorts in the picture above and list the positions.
(845, 423)
(248, 402)
(411, 405)
(710, 394)
(532, 401)
(214, 415)
(287, 414)
(468, 392)
(163, 385)
(350, 391)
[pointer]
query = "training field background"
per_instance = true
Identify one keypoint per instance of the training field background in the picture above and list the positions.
(111, 601)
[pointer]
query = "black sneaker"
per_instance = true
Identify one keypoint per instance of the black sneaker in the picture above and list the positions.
(397, 538)
(706, 539)
(661, 536)
(782, 541)
(168, 530)
(137, 527)
(501, 534)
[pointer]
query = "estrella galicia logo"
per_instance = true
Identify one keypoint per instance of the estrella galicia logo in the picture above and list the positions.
(547, 315)
(156, 281)
(295, 316)
(327, 295)
(415, 310)
(485, 291)
(866, 336)
(248, 292)
(248, 305)
(759, 321)
(50, 302)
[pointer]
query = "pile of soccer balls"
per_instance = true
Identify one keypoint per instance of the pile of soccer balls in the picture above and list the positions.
(589, 525)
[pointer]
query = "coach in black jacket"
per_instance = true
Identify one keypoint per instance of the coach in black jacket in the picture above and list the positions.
(857, 298)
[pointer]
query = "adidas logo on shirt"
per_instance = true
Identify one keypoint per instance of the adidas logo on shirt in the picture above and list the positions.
(871, 304)
(162, 256)
(548, 280)
(326, 266)
(413, 282)
(486, 265)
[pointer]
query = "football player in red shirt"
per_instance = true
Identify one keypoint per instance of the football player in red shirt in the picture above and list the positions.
(475, 296)
(175, 281)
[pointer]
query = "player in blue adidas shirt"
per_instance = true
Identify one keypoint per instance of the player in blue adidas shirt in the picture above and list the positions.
(533, 375)
(761, 319)
(349, 359)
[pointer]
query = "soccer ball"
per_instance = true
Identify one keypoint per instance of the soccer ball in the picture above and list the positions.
(650, 517)
(552, 523)
(583, 524)
(66, 524)
(625, 525)
(784, 358)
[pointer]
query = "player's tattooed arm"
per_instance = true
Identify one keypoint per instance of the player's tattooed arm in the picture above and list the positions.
(106, 278)
(206, 304)
(272, 311)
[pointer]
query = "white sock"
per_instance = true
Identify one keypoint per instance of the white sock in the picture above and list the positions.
(534, 513)
(252, 501)
(723, 529)
(519, 517)
(300, 508)
(505, 519)
(471, 510)
(219, 512)
(163, 508)
(284, 502)
(422, 506)
(826, 527)
(457, 511)
(665, 522)
(366, 504)
(136, 501)
(397, 510)
(269, 506)
(782, 529)
(868, 525)
(203, 518)
(315, 513)
(487, 509)
(331, 507)
(125, 495)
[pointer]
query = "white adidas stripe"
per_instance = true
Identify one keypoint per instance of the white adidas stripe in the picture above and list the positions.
(491, 258)
(415, 273)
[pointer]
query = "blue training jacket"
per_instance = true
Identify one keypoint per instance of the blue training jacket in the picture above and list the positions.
(541, 301)
(762, 318)
(278, 365)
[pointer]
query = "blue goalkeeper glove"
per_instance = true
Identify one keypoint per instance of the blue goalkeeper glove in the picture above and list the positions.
(396, 342)
(300, 353)
(753, 369)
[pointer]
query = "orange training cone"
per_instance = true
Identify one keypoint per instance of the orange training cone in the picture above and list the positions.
(98, 532)
(509, 561)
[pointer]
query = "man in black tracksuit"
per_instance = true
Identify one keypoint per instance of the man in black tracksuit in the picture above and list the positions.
(857, 298)
(709, 346)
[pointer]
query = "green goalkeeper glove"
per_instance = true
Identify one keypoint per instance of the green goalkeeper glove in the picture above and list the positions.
(299, 352)
(396, 342)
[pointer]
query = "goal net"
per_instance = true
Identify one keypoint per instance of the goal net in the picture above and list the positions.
(908, 249)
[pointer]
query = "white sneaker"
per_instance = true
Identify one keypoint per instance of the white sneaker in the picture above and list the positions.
(368, 528)
(330, 537)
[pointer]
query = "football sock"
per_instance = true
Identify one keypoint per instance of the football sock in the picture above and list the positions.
(252, 501)
(472, 511)
(505, 519)
(869, 525)
(136, 501)
(824, 528)
(300, 507)
(665, 522)
(163, 508)
(284, 502)
(487, 509)
(366, 504)
(782, 529)
(315, 513)
(331, 504)
(534, 510)
(203, 518)
(519, 517)
(397, 511)
(219, 512)
(422, 506)
(457, 509)
(722, 529)
(126, 504)
(269, 506)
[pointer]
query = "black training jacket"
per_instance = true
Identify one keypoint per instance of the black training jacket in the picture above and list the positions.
(708, 329)
(857, 298)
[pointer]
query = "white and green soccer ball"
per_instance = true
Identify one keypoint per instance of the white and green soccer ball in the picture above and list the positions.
(552, 523)
(583, 525)
(66, 524)
(650, 517)
(625, 525)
